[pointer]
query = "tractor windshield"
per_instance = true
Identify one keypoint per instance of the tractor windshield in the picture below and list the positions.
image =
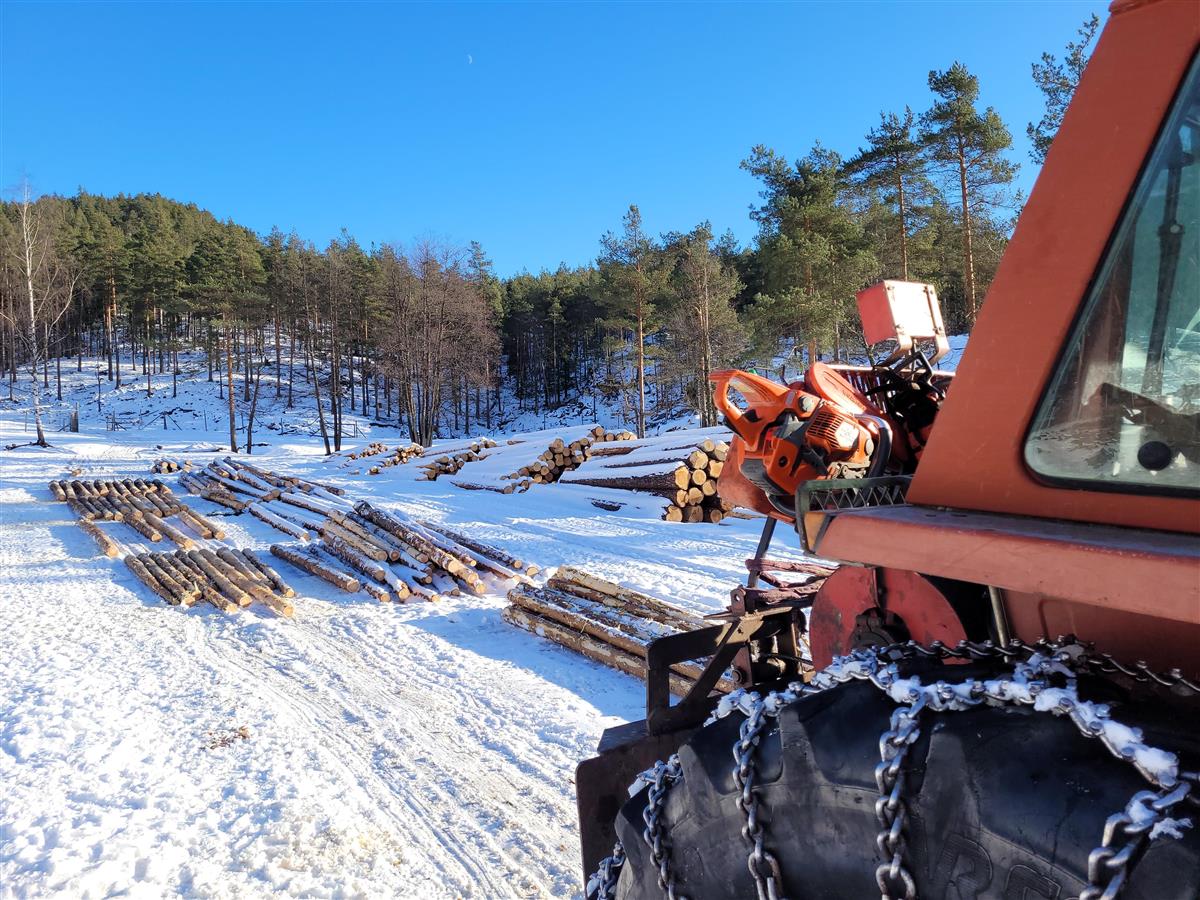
(1123, 410)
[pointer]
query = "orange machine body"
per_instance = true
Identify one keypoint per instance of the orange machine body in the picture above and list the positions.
(786, 436)
(1121, 569)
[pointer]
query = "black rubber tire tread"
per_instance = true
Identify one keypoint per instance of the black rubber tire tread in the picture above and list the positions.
(1004, 802)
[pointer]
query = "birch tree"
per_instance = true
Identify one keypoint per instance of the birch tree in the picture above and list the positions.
(48, 281)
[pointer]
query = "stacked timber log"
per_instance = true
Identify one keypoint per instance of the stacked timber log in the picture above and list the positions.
(142, 505)
(166, 466)
(227, 579)
(539, 457)
(237, 485)
(451, 459)
(682, 468)
(399, 457)
(392, 556)
(372, 449)
(562, 457)
(604, 622)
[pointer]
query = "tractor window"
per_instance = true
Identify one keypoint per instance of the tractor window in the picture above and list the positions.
(1123, 411)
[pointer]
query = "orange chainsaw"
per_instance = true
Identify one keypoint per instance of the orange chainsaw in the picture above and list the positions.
(786, 435)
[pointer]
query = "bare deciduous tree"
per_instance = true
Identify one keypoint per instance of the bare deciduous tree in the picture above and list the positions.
(49, 277)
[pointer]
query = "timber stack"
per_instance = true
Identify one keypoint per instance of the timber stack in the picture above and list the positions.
(170, 466)
(561, 457)
(389, 555)
(605, 622)
(399, 457)
(372, 449)
(237, 485)
(145, 506)
(450, 460)
(682, 469)
(228, 579)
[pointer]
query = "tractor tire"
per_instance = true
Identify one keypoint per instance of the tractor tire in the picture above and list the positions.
(1003, 802)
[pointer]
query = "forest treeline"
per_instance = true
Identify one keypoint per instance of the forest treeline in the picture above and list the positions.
(428, 337)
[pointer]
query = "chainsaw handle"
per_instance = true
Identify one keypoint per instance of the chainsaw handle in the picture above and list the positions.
(766, 399)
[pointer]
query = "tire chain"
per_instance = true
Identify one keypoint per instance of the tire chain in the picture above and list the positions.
(1108, 867)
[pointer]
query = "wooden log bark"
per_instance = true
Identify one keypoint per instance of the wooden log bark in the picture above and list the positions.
(143, 575)
(588, 646)
(367, 548)
(170, 531)
(224, 498)
(304, 502)
(354, 559)
(57, 490)
(258, 588)
(107, 545)
(626, 632)
(184, 592)
(199, 524)
(208, 591)
(223, 584)
(343, 580)
(257, 510)
(576, 581)
(271, 575)
(135, 520)
(379, 592)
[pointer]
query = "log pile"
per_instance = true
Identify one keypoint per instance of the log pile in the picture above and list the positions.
(399, 457)
(562, 457)
(142, 505)
(226, 578)
(237, 485)
(540, 457)
(450, 460)
(682, 469)
(605, 622)
(372, 449)
(391, 556)
(166, 466)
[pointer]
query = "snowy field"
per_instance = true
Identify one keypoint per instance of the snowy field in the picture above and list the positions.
(357, 750)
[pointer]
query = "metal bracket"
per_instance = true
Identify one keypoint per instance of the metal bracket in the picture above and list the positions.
(720, 643)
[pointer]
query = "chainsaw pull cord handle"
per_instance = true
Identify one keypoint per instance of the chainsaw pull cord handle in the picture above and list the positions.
(883, 443)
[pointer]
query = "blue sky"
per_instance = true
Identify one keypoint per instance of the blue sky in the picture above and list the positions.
(527, 127)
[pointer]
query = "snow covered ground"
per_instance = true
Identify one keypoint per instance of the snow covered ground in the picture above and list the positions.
(357, 750)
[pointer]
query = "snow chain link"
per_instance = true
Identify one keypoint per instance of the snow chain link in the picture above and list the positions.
(1125, 832)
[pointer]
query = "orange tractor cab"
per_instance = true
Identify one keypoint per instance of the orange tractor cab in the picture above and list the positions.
(1049, 487)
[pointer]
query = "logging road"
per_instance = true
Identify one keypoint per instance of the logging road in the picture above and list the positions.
(360, 749)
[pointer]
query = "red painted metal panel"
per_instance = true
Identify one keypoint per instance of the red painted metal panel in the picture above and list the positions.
(974, 460)
(1148, 573)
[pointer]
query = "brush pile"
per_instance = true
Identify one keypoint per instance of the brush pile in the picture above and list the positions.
(681, 468)
(358, 547)
(142, 505)
(604, 622)
(451, 459)
(399, 457)
(170, 466)
(226, 578)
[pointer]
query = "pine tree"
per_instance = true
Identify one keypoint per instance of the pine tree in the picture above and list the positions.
(812, 252)
(635, 279)
(1057, 82)
(969, 145)
(704, 330)
(893, 164)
